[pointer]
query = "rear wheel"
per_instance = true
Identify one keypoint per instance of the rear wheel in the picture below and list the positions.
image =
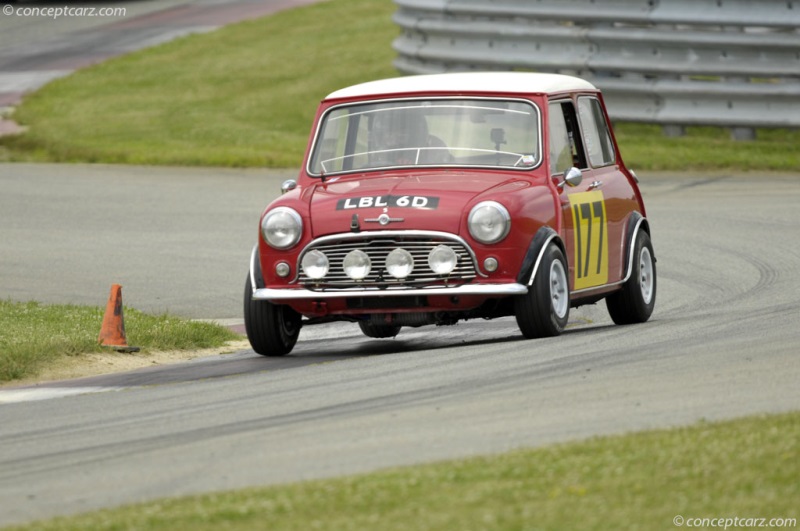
(272, 329)
(544, 310)
(378, 331)
(634, 303)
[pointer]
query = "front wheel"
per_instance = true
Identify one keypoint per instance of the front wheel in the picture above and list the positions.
(544, 310)
(634, 303)
(272, 329)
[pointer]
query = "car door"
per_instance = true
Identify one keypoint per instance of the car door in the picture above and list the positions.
(594, 211)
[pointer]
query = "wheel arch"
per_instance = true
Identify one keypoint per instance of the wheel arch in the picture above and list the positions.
(636, 223)
(256, 278)
(533, 257)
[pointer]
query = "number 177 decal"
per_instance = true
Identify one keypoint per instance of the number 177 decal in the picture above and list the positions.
(591, 239)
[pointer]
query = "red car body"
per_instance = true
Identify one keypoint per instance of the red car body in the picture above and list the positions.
(518, 174)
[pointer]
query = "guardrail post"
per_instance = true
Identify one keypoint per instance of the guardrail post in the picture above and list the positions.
(743, 133)
(672, 130)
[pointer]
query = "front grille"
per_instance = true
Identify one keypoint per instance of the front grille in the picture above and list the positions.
(377, 248)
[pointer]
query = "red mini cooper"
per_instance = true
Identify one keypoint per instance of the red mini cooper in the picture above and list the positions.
(430, 199)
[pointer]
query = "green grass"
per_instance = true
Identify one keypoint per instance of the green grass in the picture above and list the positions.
(34, 336)
(745, 468)
(241, 96)
(644, 147)
(246, 95)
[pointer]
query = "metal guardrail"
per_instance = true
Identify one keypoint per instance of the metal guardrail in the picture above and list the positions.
(732, 63)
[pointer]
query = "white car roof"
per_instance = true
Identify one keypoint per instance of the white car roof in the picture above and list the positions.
(497, 82)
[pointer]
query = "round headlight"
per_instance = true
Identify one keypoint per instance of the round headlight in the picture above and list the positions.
(399, 263)
(357, 265)
(489, 222)
(442, 260)
(315, 264)
(282, 228)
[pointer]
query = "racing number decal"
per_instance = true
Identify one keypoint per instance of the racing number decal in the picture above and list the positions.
(591, 238)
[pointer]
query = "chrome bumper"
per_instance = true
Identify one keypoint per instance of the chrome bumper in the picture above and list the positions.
(500, 290)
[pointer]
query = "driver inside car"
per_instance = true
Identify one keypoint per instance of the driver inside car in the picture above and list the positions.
(401, 138)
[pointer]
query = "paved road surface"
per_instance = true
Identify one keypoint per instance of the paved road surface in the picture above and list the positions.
(178, 240)
(722, 343)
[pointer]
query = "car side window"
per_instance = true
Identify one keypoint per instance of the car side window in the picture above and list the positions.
(596, 135)
(566, 147)
(560, 158)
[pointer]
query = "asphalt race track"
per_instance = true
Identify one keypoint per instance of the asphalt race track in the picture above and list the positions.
(722, 343)
(177, 240)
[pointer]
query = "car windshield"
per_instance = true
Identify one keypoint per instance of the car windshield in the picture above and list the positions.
(431, 132)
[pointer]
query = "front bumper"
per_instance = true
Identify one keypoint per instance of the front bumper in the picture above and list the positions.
(488, 290)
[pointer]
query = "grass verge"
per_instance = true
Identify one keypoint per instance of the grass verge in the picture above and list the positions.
(746, 468)
(644, 147)
(33, 336)
(245, 95)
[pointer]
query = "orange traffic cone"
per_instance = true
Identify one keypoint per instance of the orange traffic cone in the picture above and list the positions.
(112, 332)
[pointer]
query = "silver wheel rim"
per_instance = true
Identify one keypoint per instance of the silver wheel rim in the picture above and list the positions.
(559, 291)
(646, 276)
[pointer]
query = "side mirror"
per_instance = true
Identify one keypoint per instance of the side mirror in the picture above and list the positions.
(288, 185)
(573, 177)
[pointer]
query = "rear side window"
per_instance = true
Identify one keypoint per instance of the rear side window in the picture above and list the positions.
(596, 135)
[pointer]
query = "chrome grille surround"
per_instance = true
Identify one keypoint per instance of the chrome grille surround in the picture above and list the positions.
(377, 245)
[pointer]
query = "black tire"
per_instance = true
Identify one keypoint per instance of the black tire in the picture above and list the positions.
(544, 310)
(272, 329)
(378, 331)
(634, 303)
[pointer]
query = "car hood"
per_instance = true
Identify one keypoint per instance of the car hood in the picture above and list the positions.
(417, 201)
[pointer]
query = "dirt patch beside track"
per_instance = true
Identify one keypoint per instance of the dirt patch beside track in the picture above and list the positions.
(99, 363)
